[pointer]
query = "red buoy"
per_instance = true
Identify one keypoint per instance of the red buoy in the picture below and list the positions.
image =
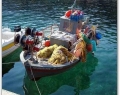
(39, 33)
(36, 48)
(29, 41)
(47, 43)
(68, 13)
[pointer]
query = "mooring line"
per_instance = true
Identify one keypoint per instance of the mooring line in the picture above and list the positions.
(35, 81)
(11, 62)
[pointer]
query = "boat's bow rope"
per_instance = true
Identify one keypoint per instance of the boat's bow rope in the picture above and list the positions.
(35, 80)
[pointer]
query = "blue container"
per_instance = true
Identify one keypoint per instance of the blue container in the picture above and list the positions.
(98, 35)
(71, 17)
(76, 17)
(93, 45)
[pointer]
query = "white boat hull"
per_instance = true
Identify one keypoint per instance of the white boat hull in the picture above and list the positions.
(8, 45)
(8, 51)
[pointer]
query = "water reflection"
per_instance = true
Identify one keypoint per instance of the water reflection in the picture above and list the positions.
(6, 68)
(9, 60)
(77, 77)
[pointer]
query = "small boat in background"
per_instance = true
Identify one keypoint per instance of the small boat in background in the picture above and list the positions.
(8, 36)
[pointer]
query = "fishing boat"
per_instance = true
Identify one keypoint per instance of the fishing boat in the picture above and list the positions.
(8, 36)
(58, 48)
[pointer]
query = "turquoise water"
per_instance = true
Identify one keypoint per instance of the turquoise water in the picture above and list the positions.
(98, 76)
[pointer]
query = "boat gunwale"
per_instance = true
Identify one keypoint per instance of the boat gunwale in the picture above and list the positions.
(10, 40)
(48, 66)
(6, 51)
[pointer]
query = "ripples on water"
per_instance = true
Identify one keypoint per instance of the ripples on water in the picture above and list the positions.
(98, 76)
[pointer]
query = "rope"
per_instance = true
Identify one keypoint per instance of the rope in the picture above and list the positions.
(35, 80)
(11, 62)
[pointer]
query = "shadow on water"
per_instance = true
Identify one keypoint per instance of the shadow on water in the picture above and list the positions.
(9, 60)
(78, 77)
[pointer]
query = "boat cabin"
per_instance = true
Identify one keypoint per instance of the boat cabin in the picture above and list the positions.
(66, 35)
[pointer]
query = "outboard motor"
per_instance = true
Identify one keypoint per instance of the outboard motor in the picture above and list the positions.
(17, 28)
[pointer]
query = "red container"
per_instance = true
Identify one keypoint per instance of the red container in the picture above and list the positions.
(89, 47)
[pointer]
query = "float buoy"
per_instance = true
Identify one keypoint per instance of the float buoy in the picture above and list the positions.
(47, 43)
(39, 34)
(29, 41)
(68, 13)
(98, 35)
(35, 48)
(89, 47)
